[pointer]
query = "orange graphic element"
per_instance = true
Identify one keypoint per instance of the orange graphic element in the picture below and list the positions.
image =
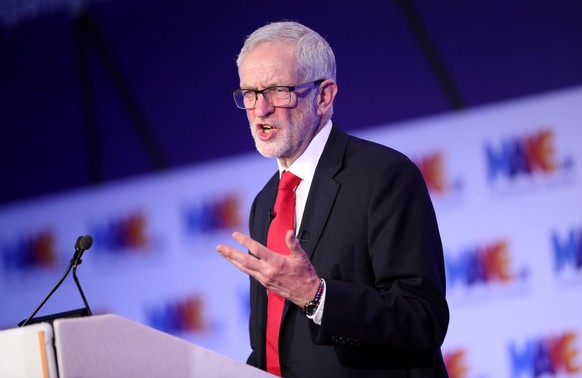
(496, 262)
(192, 314)
(43, 247)
(228, 211)
(43, 354)
(135, 227)
(563, 352)
(432, 169)
(455, 363)
(540, 151)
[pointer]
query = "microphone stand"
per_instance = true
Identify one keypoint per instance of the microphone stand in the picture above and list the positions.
(25, 322)
(83, 243)
(79, 285)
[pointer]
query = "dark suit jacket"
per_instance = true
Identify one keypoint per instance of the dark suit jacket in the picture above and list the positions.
(370, 231)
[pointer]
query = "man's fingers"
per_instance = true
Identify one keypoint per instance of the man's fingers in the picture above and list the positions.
(244, 262)
(241, 260)
(254, 247)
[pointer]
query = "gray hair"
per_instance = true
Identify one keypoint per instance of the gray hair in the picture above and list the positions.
(315, 57)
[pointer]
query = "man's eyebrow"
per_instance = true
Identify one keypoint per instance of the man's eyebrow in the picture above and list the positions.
(271, 85)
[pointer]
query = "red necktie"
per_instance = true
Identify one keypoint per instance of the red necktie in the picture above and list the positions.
(284, 221)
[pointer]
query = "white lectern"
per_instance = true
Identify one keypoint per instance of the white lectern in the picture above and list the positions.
(106, 346)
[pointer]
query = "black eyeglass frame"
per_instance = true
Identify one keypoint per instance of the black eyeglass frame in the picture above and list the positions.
(290, 88)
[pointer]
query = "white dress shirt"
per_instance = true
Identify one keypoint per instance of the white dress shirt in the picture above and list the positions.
(304, 168)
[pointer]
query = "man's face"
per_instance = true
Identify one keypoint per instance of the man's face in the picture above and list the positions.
(279, 132)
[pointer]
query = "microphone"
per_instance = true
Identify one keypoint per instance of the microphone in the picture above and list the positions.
(81, 245)
(272, 215)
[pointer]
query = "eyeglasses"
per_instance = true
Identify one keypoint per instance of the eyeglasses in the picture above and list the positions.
(279, 95)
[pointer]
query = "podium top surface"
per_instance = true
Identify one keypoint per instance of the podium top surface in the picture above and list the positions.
(112, 346)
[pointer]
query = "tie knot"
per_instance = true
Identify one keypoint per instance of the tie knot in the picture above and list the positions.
(288, 181)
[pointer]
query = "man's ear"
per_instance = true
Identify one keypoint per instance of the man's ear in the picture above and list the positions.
(328, 90)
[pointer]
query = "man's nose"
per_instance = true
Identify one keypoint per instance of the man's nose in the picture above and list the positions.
(262, 107)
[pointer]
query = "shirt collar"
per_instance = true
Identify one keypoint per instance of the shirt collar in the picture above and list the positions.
(304, 166)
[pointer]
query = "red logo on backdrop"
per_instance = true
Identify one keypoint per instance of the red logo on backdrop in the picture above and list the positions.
(546, 356)
(178, 316)
(526, 156)
(122, 233)
(456, 364)
(432, 168)
(434, 171)
(213, 215)
(29, 251)
(481, 264)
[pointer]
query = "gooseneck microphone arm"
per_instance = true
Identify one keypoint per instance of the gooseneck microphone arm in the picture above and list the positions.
(83, 243)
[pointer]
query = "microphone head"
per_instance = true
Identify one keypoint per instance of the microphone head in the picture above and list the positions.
(77, 245)
(85, 242)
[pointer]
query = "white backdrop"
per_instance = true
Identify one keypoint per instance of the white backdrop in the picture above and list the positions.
(506, 183)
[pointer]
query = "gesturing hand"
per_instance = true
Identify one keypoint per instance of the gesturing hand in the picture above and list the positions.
(291, 276)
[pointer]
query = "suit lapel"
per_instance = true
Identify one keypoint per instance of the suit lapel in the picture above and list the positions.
(323, 191)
